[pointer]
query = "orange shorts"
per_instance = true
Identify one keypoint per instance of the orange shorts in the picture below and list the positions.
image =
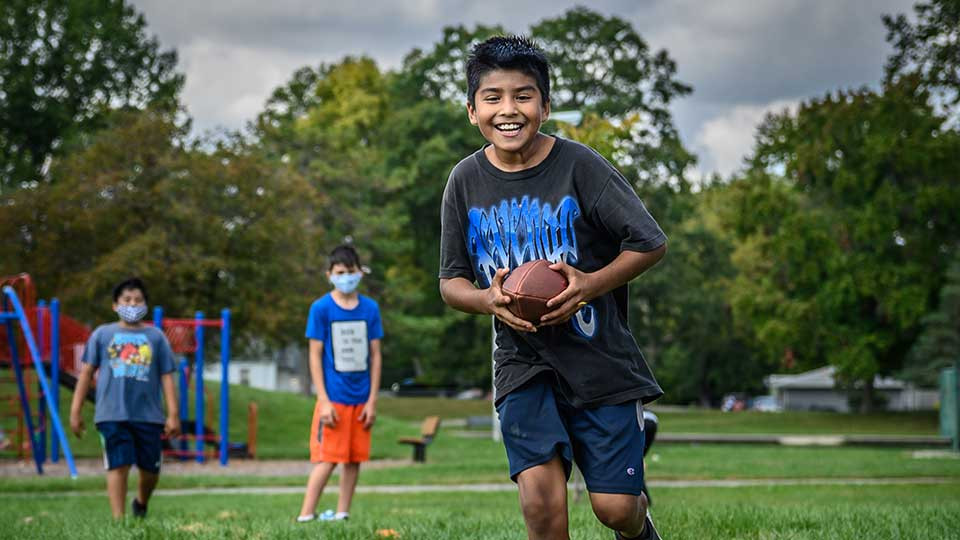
(348, 442)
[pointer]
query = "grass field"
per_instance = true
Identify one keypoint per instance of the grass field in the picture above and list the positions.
(794, 513)
(51, 507)
(284, 419)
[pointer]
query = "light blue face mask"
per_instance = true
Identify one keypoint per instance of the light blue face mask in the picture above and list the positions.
(346, 283)
(132, 314)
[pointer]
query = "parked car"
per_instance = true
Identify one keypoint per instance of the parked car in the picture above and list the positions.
(766, 404)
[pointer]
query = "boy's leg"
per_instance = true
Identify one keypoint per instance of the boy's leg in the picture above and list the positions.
(539, 451)
(117, 489)
(148, 481)
(543, 500)
(348, 484)
(149, 457)
(315, 484)
(359, 452)
(119, 453)
(325, 448)
(608, 444)
(623, 513)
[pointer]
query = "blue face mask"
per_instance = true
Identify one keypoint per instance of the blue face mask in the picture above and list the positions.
(132, 314)
(346, 283)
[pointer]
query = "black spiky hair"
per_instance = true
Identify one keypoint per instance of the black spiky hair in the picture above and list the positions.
(507, 52)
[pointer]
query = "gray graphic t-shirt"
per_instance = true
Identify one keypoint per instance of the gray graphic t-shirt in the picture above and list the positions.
(130, 362)
(576, 207)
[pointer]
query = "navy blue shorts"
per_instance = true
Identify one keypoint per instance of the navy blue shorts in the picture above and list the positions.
(131, 443)
(605, 442)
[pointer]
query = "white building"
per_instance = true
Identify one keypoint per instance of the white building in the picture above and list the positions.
(816, 390)
(261, 375)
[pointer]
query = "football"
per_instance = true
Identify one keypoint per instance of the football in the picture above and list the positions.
(529, 286)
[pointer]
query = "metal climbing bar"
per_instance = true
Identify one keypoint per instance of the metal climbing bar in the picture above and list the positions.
(53, 409)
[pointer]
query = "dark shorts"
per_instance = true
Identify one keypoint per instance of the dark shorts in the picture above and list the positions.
(131, 443)
(605, 442)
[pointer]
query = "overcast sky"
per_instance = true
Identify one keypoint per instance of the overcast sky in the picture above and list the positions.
(742, 57)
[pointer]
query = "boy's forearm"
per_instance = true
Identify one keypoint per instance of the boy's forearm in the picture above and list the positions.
(316, 371)
(376, 368)
(462, 295)
(83, 386)
(627, 266)
(170, 395)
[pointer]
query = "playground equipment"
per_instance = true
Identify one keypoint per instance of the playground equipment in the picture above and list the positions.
(59, 346)
(13, 311)
(188, 336)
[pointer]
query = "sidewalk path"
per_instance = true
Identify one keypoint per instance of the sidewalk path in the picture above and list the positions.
(487, 488)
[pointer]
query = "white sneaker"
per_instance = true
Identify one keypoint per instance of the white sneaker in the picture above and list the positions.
(330, 515)
(305, 519)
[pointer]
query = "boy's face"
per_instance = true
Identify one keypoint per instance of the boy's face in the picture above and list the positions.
(129, 297)
(509, 110)
(340, 269)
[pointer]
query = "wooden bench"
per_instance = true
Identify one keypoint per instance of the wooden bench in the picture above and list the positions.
(428, 430)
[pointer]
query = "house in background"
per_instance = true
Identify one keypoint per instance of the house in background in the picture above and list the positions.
(816, 391)
(278, 370)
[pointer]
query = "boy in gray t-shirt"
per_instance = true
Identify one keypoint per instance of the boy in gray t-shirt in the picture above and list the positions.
(135, 362)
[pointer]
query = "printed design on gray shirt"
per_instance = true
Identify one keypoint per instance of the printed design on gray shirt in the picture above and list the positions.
(130, 355)
(511, 233)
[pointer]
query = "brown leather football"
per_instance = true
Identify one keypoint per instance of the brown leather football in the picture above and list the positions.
(529, 286)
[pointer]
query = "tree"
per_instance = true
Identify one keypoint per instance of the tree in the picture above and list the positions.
(928, 50)
(938, 346)
(206, 230)
(683, 317)
(853, 268)
(441, 73)
(379, 147)
(64, 64)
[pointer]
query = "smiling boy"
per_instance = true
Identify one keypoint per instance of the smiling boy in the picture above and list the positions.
(571, 388)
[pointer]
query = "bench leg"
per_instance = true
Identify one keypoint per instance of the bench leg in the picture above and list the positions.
(419, 453)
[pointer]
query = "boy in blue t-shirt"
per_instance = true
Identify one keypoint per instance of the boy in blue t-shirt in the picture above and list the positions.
(344, 330)
(135, 363)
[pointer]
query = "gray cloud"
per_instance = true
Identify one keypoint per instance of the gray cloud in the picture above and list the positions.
(742, 56)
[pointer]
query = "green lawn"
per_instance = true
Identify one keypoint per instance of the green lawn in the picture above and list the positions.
(760, 513)
(284, 421)
(788, 513)
(454, 460)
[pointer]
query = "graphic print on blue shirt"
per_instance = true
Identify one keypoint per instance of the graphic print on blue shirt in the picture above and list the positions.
(130, 356)
(511, 233)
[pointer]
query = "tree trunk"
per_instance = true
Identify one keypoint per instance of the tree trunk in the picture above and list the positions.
(704, 386)
(866, 404)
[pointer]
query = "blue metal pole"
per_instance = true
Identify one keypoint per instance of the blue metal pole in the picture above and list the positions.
(200, 403)
(41, 406)
(32, 345)
(158, 317)
(224, 386)
(184, 404)
(21, 386)
(55, 372)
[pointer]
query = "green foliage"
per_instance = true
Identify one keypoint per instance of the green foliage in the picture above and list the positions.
(64, 64)
(601, 64)
(845, 273)
(929, 49)
(206, 230)
(938, 346)
(832, 248)
(440, 73)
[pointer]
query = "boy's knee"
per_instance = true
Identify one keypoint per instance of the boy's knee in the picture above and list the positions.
(542, 506)
(620, 512)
